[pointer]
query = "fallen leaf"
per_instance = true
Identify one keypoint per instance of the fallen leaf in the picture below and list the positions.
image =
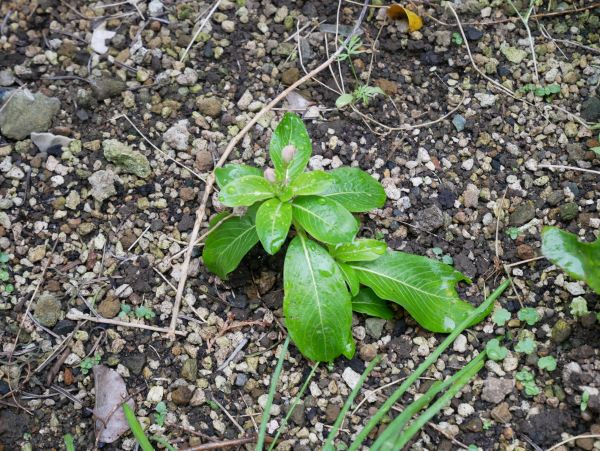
(44, 141)
(111, 392)
(409, 21)
(99, 38)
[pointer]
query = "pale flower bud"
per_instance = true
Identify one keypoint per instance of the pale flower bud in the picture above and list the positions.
(288, 152)
(270, 174)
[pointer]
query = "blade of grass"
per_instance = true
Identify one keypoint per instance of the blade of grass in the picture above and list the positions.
(389, 436)
(294, 404)
(267, 412)
(328, 446)
(136, 428)
(430, 360)
(69, 443)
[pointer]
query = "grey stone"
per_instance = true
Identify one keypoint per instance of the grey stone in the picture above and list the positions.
(590, 109)
(6, 78)
(569, 211)
(26, 112)
(189, 370)
(241, 379)
(103, 185)
(134, 363)
(495, 389)
(374, 326)
(177, 136)
(430, 219)
(459, 122)
(522, 214)
(130, 161)
(47, 310)
(107, 87)
(298, 415)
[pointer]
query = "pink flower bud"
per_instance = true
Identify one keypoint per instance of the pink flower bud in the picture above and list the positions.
(288, 152)
(270, 174)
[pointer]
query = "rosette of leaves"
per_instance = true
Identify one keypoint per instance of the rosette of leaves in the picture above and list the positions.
(328, 271)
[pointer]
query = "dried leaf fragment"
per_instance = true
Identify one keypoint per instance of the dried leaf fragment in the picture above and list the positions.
(409, 21)
(111, 392)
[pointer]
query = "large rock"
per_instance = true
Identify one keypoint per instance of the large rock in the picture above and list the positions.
(128, 160)
(25, 113)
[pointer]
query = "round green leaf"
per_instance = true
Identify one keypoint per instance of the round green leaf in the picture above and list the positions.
(316, 305)
(367, 302)
(245, 191)
(233, 171)
(324, 219)
(273, 220)
(290, 131)
(356, 190)
(310, 183)
(359, 250)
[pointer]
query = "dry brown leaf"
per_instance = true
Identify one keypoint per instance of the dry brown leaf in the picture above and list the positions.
(111, 392)
(409, 21)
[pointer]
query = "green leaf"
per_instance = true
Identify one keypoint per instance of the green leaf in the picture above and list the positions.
(356, 190)
(310, 183)
(233, 171)
(359, 250)
(69, 443)
(316, 305)
(500, 317)
(343, 100)
(4, 276)
(580, 260)
(524, 376)
(424, 287)
(290, 131)
(526, 346)
(273, 221)
(531, 389)
(553, 88)
(9, 288)
(495, 351)
(4, 258)
(136, 428)
(547, 363)
(325, 219)
(350, 277)
(367, 302)
(529, 315)
(226, 246)
(245, 191)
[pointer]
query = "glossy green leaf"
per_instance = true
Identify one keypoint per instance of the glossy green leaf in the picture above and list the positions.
(359, 250)
(290, 131)
(367, 302)
(580, 260)
(273, 220)
(245, 191)
(325, 219)
(316, 305)
(225, 247)
(310, 183)
(233, 171)
(356, 190)
(350, 277)
(426, 288)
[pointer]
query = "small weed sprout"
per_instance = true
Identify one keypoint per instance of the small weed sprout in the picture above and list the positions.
(89, 362)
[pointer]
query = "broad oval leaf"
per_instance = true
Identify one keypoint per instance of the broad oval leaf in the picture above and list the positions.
(359, 250)
(325, 219)
(367, 302)
(310, 183)
(316, 305)
(343, 100)
(356, 190)
(233, 171)
(225, 247)
(273, 220)
(580, 260)
(290, 131)
(245, 191)
(350, 277)
(425, 288)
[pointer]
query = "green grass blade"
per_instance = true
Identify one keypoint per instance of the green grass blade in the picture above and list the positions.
(69, 443)
(136, 428)
(294, 404)
(388, 437)
(430, 360)
(267, 412)
(338, 422)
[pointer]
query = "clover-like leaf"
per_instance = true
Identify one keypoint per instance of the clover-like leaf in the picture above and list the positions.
(529, 315)
(356, 190)
(580, 260)
(290, 131)
(310, 183)
(531, 389)
(227, 244)
(426, 288)
(273, 220)
(526, 346)
(233, 171)
(358, 250)
(547, 363)
(367, 302)
(524, 376)
(316, 305)
(246, 191)
(325, 219)
(350, 277)
(500, 317)
(495, 351)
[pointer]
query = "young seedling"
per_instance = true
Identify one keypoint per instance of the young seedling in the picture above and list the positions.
(495, 351)
(161, 413)
(547, 363)
(500, 317)
(125, 310)
(529, 315)
(325, 262)
(144, 312)
(4, 274)
(89, 362)
(526, 378)
(585, 398)
(526, 346)
(514, 233)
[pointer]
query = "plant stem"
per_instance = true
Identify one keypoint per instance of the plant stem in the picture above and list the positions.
(430, 360)
(136, 428)
(267, 412)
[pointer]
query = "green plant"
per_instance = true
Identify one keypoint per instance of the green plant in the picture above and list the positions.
(526, 378)
(487, 424)
(585, 398)
(529, 315)
(325, 263)
(125, 310)
(596, 149)
(579, 307)
(514, 232)
(495, 351)
(161, 413)
(547, 363)
(500, 317)
(69, 443)
(136, 428)
(526, 346)
(457, 38)
(89, 362)
(4, 274)
(144, 312)
(541, 91)
(439, 254)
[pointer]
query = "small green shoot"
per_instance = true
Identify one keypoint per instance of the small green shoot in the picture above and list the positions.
(136, 428)
(4, 274)
(514, 233)
(362, 93)
(352, 49)
(439, 254)
(526, 378)
(529, 315)
(547, 91)
(526, 346)
(579, 307)
(495, 351)
(457, 38)
(487, 424)
(125, 310)
(547, 363)
(500, 317)
(144, 312)
(585, 398)
(473, 447)
(69, 442)
(161, 413)
(89, 362)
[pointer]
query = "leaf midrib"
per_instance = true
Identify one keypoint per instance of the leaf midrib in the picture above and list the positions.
(310, 212)
(238, 238)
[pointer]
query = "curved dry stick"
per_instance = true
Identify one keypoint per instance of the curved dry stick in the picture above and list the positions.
(210, 181)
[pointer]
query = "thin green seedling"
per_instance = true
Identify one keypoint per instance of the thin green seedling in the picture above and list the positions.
(483, 309)
(293, 406)
(328, 446)
(395, 429)
(262, 432)
(69, 442)
(136, 428)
